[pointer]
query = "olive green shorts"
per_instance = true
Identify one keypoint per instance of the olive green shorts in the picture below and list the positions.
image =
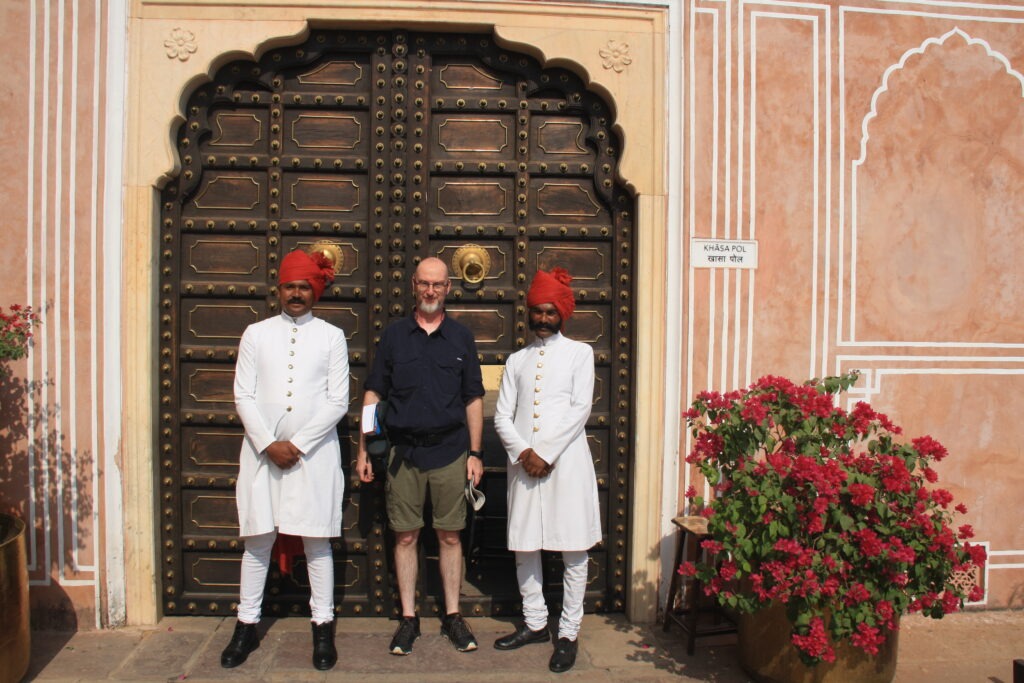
(406, 491)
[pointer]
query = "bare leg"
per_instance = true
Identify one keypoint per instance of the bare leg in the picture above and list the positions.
(451, 568)
(406, 566)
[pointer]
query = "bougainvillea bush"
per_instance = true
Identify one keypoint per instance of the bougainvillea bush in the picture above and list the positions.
(826, 511)
(15, 331)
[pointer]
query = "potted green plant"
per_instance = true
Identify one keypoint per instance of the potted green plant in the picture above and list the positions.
(15, 637)
(827, 516)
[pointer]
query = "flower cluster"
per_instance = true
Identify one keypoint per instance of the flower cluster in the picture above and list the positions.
(825, 511)
(15, 331)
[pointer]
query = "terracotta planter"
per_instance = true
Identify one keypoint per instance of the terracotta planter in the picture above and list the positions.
(15, 637)
(767, 654)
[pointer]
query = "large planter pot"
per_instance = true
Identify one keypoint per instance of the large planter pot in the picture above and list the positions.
(15, 637)
(768, 655)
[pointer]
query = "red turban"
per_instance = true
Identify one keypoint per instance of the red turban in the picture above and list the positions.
(316, 269)
(552, 288)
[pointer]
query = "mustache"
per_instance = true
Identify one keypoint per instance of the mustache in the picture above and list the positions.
(550, 327)
(296, 300)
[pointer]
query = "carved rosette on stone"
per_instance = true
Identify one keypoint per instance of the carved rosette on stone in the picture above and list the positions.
(181, 44)
(615, 56)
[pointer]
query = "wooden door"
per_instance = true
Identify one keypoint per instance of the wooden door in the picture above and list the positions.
(384, 147)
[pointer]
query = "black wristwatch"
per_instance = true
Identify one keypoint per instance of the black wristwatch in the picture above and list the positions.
(477, 454)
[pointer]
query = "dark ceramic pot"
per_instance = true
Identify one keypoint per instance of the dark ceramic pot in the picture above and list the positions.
(768, 655)
(15, 637)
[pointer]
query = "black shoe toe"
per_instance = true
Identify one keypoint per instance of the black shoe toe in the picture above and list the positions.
(243, 641)
(522, 636)
(325, 654)
(564, 656)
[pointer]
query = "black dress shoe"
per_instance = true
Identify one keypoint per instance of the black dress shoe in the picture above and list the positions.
(564, 656)
(522, 636)
(244, 641)
(325, 655)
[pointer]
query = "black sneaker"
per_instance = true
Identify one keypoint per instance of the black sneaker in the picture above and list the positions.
(405, 635)
(456, 630)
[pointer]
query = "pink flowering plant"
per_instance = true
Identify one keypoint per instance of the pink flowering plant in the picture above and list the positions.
(826, 511)
(15, 331)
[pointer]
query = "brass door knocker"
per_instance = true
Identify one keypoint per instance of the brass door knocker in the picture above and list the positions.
(471, 263)
(332, 251)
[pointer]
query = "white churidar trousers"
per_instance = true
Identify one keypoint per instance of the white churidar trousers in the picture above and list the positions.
(531, 586)
(256, 564)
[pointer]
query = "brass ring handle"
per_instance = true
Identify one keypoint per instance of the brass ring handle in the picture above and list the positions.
(471, 262)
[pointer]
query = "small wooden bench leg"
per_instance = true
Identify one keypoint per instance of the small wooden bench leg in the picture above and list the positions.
(692, 531)
(673, 584)
(692, 601)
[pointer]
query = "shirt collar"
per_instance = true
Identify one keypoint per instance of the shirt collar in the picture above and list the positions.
(301, 320)
(414, 325)
(553, 339)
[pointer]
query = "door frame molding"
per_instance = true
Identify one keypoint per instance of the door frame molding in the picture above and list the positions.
(173, 44)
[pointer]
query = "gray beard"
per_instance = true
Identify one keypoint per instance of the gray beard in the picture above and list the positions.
(429, 309)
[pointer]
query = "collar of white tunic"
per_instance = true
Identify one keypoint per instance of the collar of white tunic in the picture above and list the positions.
(553, 339)
(301, 320)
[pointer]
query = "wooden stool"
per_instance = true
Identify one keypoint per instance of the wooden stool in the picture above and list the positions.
(694, 530)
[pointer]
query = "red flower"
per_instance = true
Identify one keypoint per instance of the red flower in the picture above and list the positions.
(869, 542)
(862, 494)
(857, 594)
(867, 638)
(929, 448)
(942, 497)
(976, 552)
(711, 546)
(728, 570)
(815, 644)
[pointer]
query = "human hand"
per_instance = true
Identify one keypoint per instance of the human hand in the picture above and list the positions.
(474, 469)
(364, 468)
(534, 465)
(284, 454)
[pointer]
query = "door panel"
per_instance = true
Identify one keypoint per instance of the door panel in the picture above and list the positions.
(383, 148)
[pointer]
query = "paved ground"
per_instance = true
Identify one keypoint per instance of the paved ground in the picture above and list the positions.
(975, 646)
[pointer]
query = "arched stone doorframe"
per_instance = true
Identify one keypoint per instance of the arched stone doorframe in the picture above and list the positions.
(620, 51)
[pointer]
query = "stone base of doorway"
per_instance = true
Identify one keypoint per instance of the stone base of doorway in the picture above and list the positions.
(611, 649)
(188, 649)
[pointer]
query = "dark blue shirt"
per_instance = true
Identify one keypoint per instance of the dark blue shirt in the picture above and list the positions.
(427, 380)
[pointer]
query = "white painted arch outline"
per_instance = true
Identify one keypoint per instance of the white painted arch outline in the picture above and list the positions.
(857, 163)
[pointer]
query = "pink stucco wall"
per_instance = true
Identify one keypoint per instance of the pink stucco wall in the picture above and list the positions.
(876, 154)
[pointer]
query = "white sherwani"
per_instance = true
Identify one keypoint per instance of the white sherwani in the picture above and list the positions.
(291, 384)
(546, 394)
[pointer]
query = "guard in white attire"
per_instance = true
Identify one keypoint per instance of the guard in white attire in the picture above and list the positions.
(291, 390)
(546, 394)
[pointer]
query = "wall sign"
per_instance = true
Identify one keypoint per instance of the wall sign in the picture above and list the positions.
(723, 253)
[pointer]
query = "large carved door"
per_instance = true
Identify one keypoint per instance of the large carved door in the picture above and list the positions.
(384, 147)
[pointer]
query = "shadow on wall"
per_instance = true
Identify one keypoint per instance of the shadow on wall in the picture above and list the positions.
(49, 486)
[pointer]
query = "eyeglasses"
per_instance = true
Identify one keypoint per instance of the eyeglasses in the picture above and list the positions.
(436, 286)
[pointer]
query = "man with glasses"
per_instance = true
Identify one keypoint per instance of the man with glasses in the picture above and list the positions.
(427, 369)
